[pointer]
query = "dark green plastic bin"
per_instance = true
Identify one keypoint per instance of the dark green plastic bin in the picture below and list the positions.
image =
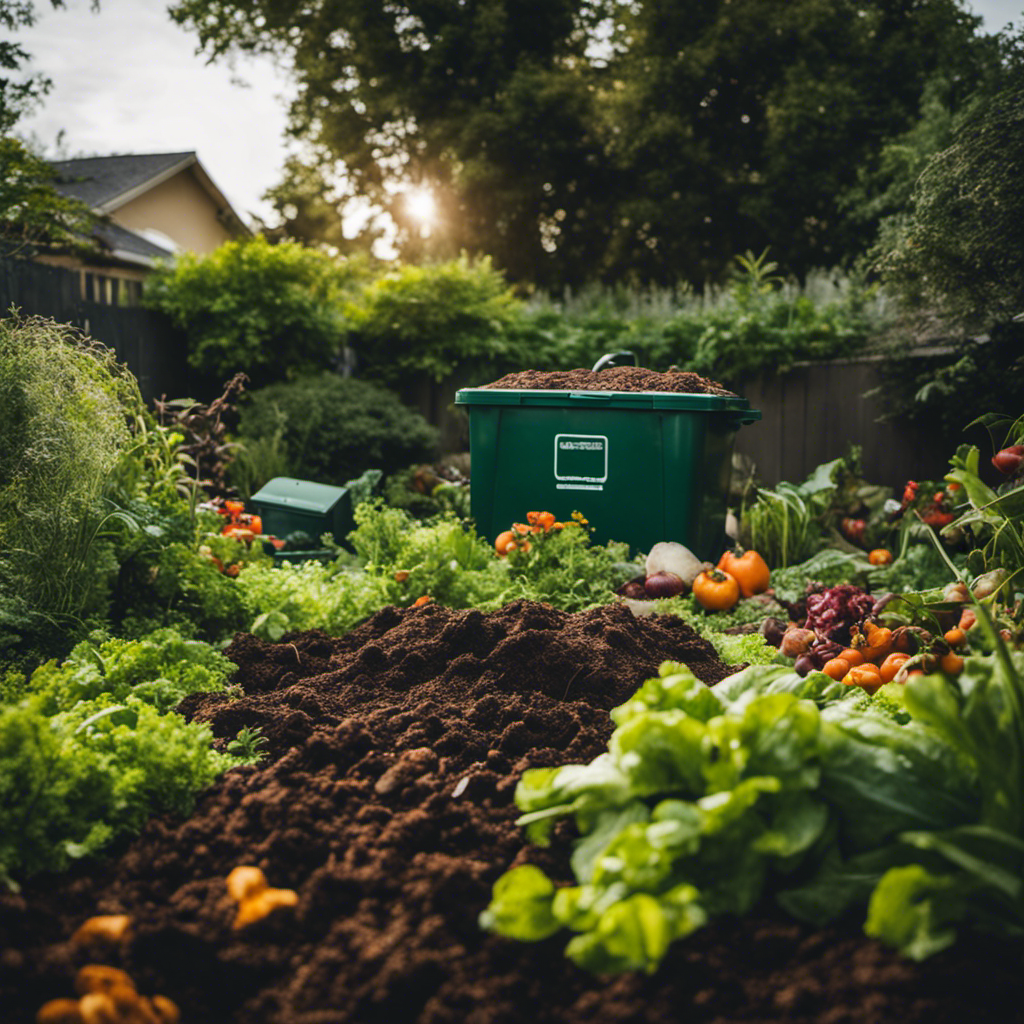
(641, 466)
(286, 505)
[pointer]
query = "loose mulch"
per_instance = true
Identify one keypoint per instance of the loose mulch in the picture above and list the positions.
(386, 803)
(615, 378)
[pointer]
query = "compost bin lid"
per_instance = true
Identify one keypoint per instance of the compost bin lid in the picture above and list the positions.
(304, 495)
(678, 401)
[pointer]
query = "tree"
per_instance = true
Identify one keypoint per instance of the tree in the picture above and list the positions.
(32, 212)
(313, 213)
(960, 247)
(573, 139)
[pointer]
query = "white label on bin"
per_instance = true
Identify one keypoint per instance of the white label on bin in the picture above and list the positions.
(581, 462)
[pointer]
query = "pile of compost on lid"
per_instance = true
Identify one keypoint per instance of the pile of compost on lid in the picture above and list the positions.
(386, 803)
(615, 378)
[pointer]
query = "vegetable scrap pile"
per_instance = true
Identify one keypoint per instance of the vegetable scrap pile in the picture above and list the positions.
(385, 807)
(615, 378)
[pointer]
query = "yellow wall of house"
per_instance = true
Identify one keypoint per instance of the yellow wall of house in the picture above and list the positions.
(182, 209)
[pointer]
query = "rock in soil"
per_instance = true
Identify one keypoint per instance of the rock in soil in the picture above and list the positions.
(385, 802)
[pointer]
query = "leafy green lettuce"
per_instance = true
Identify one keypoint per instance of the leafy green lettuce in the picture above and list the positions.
(709, 799)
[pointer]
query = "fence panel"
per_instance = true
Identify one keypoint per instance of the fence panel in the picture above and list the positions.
(813, 413)
(144, 340)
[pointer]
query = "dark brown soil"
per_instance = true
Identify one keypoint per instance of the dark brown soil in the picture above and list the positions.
(615, 378)
(386, 803)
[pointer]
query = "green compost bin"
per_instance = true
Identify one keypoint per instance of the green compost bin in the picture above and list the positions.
(287, 505)
(641, 466)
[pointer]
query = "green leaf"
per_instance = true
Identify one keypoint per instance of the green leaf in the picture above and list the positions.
(520, 906)
(635, 933)
(839, 884)
(911, 909)
(661, 751)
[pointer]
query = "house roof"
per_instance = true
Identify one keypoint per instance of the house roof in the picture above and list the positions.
(128, 245)
(107, 183)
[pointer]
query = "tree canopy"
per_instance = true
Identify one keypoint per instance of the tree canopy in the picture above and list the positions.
(612, 139)
(960, 244)
(32, 212)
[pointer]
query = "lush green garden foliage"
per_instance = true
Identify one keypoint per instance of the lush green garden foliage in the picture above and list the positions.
(267, 310)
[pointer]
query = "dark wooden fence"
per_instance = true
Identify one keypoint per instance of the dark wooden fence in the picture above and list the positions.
(814, 412)
(144, 340)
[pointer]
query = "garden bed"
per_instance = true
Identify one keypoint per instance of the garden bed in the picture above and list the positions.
(386, 802)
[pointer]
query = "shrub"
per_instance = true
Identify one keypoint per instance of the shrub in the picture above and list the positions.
(429, 318)
(270, 311)
(334, 428)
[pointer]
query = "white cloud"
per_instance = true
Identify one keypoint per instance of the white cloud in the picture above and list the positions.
(128, 80)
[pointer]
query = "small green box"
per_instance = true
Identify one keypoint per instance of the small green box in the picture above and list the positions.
(641, 466)
(286, 505)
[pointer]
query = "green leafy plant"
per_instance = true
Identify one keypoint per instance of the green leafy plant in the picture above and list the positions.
(248, 745)
(73, 782)
(993, 516)
(160, 668)
(970, 873)
(707, 800)
(785, 525)
(204, 444)
(430, 318)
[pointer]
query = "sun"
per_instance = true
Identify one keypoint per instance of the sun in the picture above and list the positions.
(421, 205)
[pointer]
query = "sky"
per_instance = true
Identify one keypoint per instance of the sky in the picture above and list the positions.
(128, 80)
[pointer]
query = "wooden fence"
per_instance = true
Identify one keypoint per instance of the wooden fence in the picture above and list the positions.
(144, 340)
(814, 412)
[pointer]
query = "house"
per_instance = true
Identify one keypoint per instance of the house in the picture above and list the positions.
(151, 206)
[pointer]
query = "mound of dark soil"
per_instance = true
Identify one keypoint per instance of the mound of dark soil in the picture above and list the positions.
(386, 803)
(615, 378)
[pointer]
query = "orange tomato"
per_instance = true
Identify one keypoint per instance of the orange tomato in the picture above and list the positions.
(749, 570)
(968, 617)
(955, 637)
(880, 556)
(852, 656)
(892, 664)
(952, 664)
(836, 668)
(715, 590)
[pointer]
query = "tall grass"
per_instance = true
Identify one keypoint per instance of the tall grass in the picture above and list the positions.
(65, 405)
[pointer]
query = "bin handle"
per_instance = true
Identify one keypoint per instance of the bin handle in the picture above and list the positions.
(608, 359)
